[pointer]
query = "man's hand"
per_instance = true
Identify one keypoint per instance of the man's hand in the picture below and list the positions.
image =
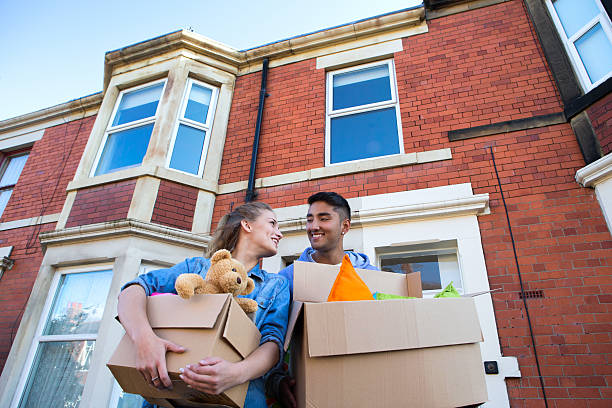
(286, 392)
(151, 359)
(213, 375)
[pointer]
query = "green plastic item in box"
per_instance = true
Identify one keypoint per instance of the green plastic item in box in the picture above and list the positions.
(386, 296)
(448, 291)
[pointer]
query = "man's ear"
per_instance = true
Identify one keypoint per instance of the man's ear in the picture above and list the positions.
(246, 226)
(346, 226)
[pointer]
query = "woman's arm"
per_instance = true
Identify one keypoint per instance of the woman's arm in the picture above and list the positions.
(214, 375)
(151, 350)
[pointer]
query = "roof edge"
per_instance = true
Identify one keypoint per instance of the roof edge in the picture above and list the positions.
(85, 103)
(294, 45)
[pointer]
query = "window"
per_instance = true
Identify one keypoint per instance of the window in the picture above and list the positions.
(129, 130)
(119, 398)
(362, 113)
(584, 28)
(190, 142)
(64, 343)
(11, 170)
(438, 266)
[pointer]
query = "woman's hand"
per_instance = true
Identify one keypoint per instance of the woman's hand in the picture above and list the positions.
(213, 375)
(150, 349)
(151, 359)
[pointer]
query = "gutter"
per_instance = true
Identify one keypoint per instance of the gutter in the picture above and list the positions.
(250, 194)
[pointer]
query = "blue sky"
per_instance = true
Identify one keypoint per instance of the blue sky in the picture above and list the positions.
(53, 51)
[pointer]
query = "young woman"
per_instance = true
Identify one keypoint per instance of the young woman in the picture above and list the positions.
(250, 233)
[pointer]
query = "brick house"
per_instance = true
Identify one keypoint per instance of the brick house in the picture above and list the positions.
(458, 130)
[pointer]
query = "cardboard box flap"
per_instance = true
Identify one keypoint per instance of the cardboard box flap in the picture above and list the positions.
(294, 313)
(201, 311)
(339, 328)
(240, 331)
(312, 282)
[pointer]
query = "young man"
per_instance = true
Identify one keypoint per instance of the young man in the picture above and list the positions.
(327, 221)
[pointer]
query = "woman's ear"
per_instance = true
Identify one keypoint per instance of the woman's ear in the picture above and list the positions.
(245, 225)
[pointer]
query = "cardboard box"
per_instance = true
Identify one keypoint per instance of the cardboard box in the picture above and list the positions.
(383, 353)
(206, 325)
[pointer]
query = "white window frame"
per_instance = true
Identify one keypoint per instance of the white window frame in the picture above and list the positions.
(145, 267)
(206, 127)
(5, 164)
(126, 126)
(570, 47)
(330, 113)
(432, 250)
(40, 338)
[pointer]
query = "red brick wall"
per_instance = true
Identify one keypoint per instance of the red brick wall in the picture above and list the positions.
(470, 69)
(101, 203)
(175, 205)
(16, 284)
(293, 125)
(41, 188)
(563, 247)
(600, 115)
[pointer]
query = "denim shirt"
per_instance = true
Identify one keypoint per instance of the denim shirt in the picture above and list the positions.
(271, 293)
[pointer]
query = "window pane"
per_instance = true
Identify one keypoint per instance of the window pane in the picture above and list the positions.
(124, 149)
(198, 103)
(574, 14)
(427, 265)
(13, 170)
(595, 51)
(361, 87)
(363, 135)
(58, 375)
(127, 400)
(437, 270)
(79, 303)
(188, 149)
(4, 197)
(138, 104)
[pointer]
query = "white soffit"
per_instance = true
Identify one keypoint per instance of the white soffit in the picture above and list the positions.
(14, 142)
(445, 201)
(5, 252)
(596, 172)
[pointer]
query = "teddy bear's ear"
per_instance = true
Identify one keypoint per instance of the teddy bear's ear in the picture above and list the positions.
(249, 287)
(219, 255)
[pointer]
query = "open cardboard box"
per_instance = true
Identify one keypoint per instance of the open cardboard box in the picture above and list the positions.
(206, 325)
(382, 353)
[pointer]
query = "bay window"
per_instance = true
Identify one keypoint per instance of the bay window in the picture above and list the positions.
(192, 134)
(127, 136)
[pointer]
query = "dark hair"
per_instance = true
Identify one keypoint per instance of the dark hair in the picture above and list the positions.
(228, 229)
(341, 206)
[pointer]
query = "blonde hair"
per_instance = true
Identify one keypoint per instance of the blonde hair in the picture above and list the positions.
(228, 230)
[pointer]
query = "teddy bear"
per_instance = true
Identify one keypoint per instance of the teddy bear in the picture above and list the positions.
(225, 275)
